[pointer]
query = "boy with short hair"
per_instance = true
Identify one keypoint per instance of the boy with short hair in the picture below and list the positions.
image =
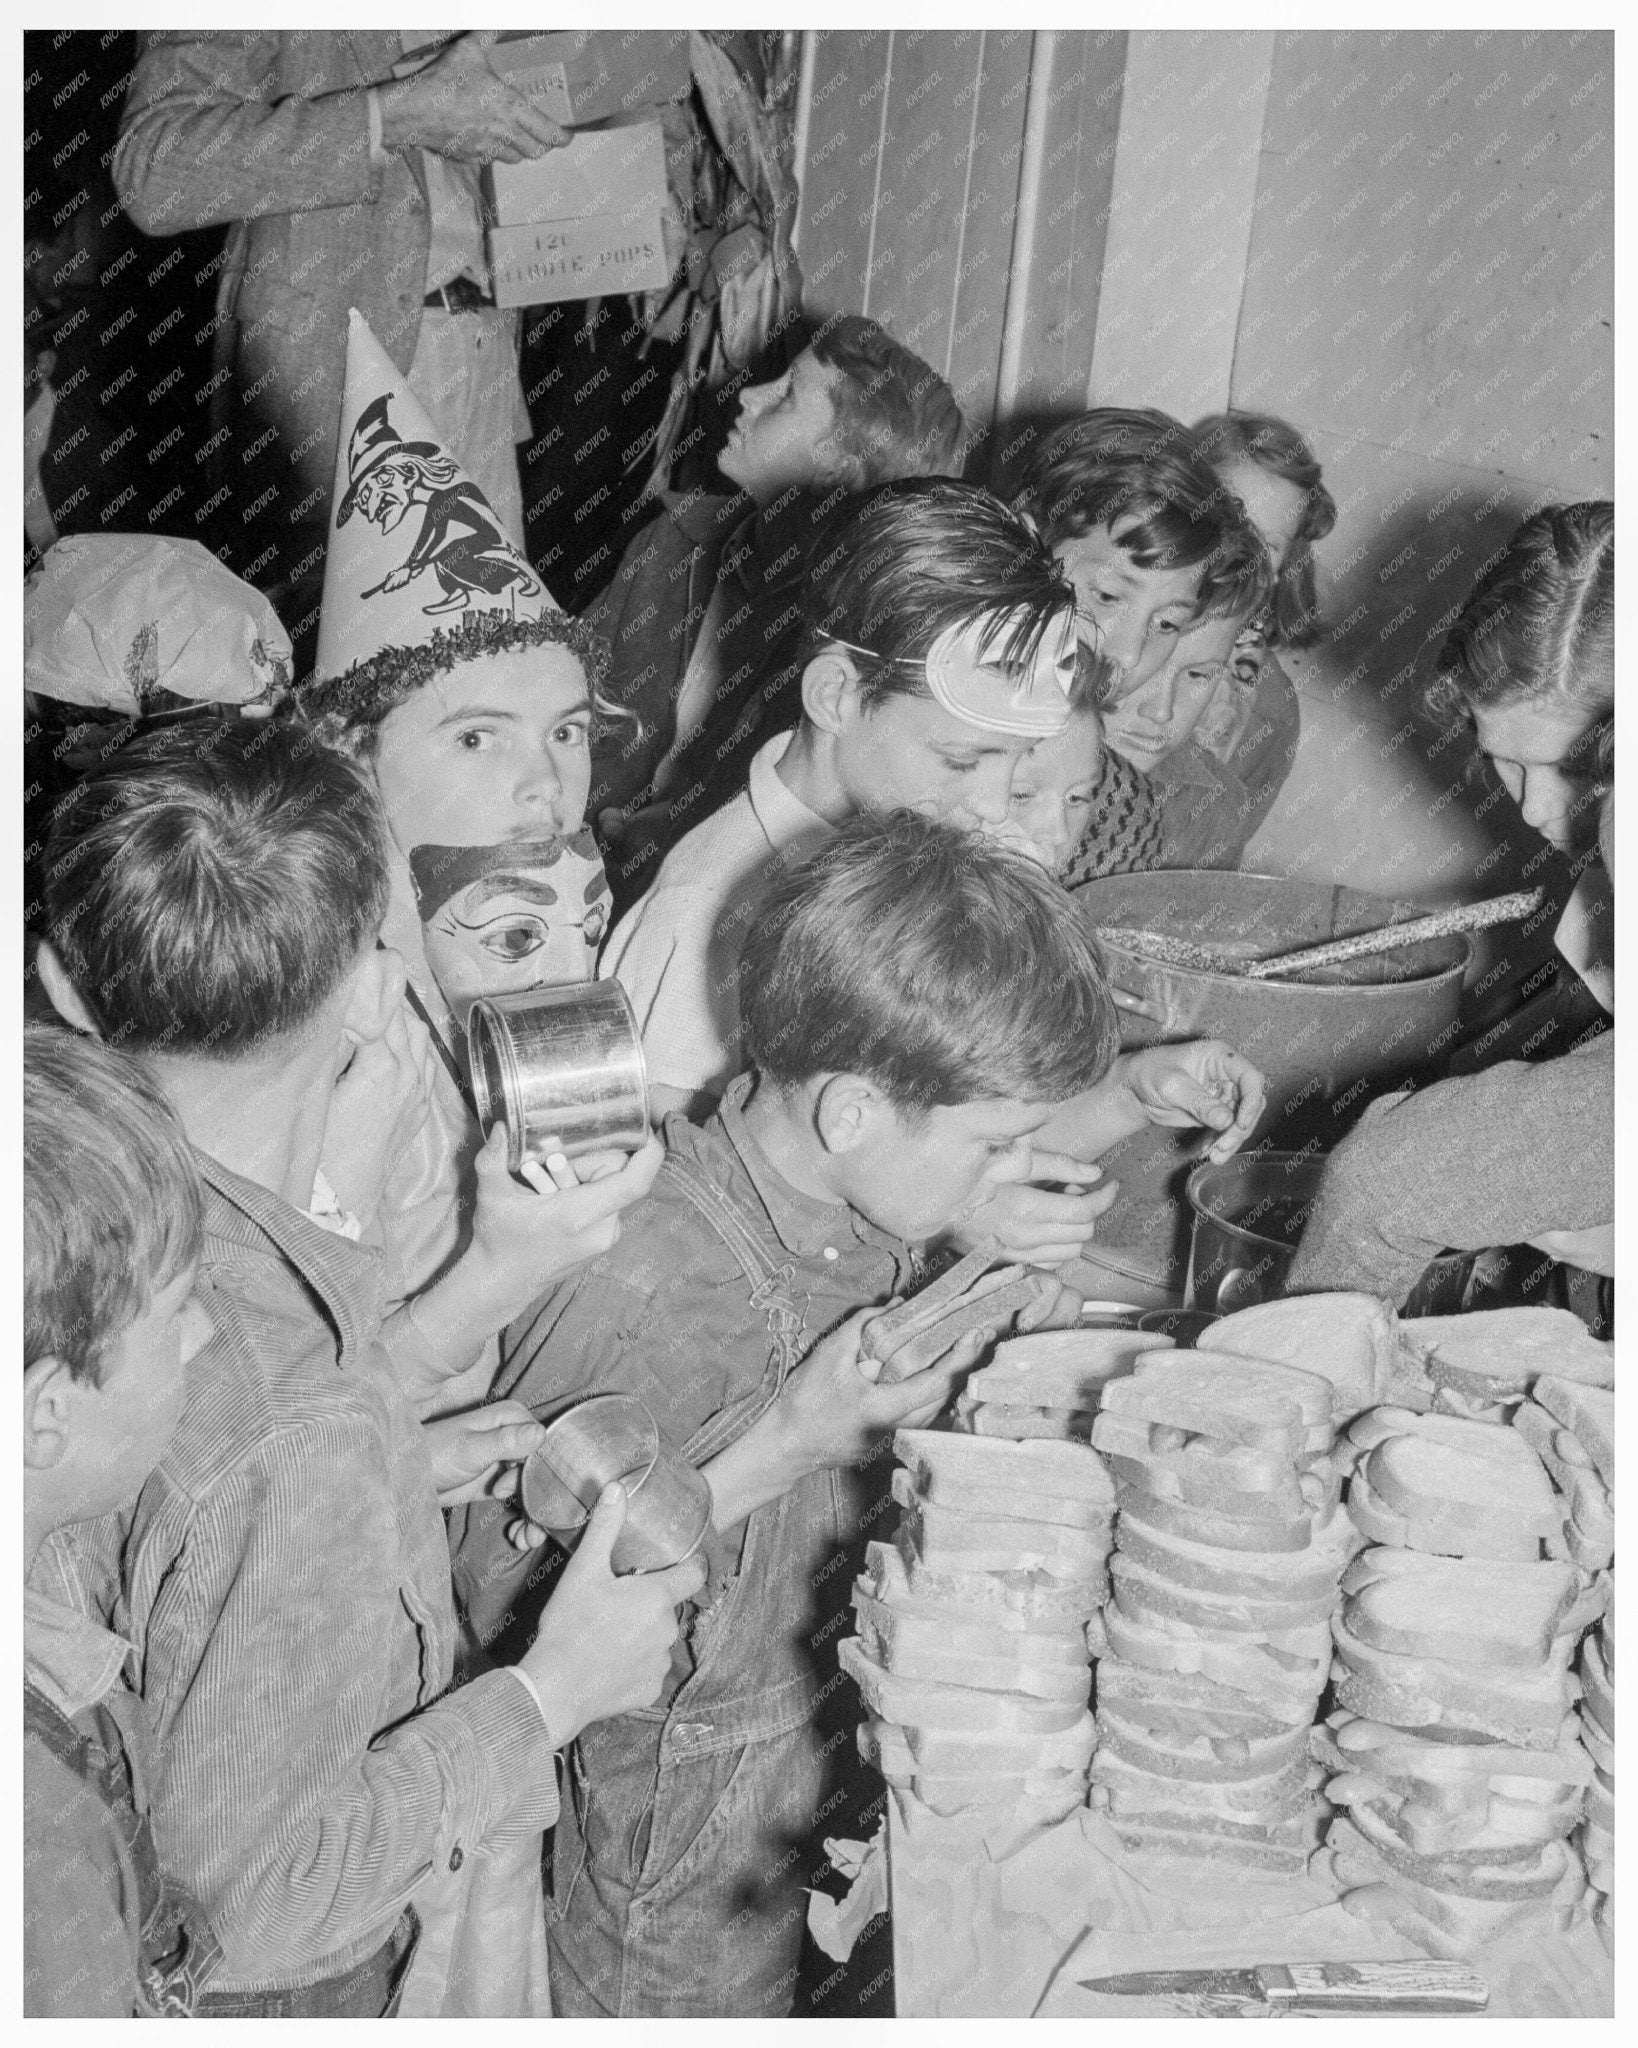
(702, 615)
(111, 1236)
(915, 1007)
(214, 902)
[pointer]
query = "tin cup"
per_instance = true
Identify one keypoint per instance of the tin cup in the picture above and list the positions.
(562, 1067)
(613, 1436)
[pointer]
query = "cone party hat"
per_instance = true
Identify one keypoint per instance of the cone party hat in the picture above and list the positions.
(414, 544)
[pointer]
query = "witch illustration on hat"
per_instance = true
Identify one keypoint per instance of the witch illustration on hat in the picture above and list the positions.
(444, 664)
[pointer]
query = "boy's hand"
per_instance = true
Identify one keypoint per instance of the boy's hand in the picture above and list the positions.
(1206, 1082)
(376, 1111)
(525, 1237)
(460, 107)
(1040, 1226)
(479, 1453)
(834, 1409)
(604, 1645)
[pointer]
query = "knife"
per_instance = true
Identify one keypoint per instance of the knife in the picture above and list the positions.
(1411, 1987)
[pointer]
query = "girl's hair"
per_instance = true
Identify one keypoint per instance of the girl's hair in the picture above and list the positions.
(1540, 623)
(111, 1201)
(1139, 476)
(1225, 438)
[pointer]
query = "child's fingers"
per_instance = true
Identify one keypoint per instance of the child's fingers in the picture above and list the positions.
(524, 1534)
(536, 1177)
(558, 1165)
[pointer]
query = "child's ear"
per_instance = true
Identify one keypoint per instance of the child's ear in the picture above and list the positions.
(47, 1393)
(845, 1112)
(66, 999)
(378, 989)
(828, 682)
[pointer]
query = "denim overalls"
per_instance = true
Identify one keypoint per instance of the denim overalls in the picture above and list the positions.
(679, 1864)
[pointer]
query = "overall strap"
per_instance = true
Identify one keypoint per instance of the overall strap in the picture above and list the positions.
(770, 1285)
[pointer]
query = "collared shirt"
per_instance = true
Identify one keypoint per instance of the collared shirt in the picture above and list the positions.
(67, 1655)
(285, 1577)
(667, 1314)
(676, 952)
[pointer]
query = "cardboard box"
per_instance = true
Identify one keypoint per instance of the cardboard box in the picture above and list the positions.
(580, 221)
(596, 74)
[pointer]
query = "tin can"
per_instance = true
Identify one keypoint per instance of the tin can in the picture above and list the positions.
(563, 1068)
(609, 1437)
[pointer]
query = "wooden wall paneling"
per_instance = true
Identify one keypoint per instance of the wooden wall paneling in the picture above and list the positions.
(838, 177)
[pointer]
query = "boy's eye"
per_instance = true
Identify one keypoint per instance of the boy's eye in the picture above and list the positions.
(476, 739)
(570, 736)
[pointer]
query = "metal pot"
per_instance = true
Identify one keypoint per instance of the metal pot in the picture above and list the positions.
(1249, 1214)
(1326, 1042)
(563, 1067)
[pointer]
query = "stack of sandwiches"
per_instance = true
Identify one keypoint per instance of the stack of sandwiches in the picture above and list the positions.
(1454, 1749)
(972, 1651)
(1597, 1837)
(1048, 1385)
(1229, 1543)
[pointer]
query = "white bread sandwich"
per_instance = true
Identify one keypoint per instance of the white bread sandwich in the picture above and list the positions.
(913, 1334)
(1294, 1623)
(1188, 1704)
(1349, 1339)
(1022, 1425)
(1245, 1402)
(1145, 1537)
(1527, 1708)
(1481, 1494)
(951, 1539)
(1256, 1485)
(910, 1644)
(1202, 1759)
(1587, 1414)
(1044, 1795)
(1584, 1530)
(1258, 1535)
(1027, 1601)
(986, 1752)
(1496, 1355)
(1060, 1368)
(1461, 1610)
(1268, 1673)
(1063, 1483)
(955, 1709)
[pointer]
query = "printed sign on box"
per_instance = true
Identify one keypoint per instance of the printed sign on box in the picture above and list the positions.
(580, 221)
(596, 74)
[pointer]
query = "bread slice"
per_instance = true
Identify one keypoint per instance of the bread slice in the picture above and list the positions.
(1397, 1754)
(912, 1336)
(1188, 1704)
(982, 1752)
(1311, 1573)
(1264, 1802)
(1433, 1529)
(1585, 1529)
(1460, 1610)
(1060, 1368)
(1265, 1673)
(1037, 1482)
(1598, 1702)
(1498, 1353)
(1202, 1758)
(1028, 1601)
(916, 1646)
(1526, 1708)
(951, 1539)
(1153, 1842)
(992, 1778)
(1349, 1339)
(1148, 1595)
(1228, 1479)
(929, 1703)
(1257, 1535)
(1588, 1413)
(1023, 1425)
(1535, 1874)
(1463, 1927)
(1462, 1488)
(1238, 1402)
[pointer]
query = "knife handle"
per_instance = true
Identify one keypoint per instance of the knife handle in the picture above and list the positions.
(1420, 1985)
